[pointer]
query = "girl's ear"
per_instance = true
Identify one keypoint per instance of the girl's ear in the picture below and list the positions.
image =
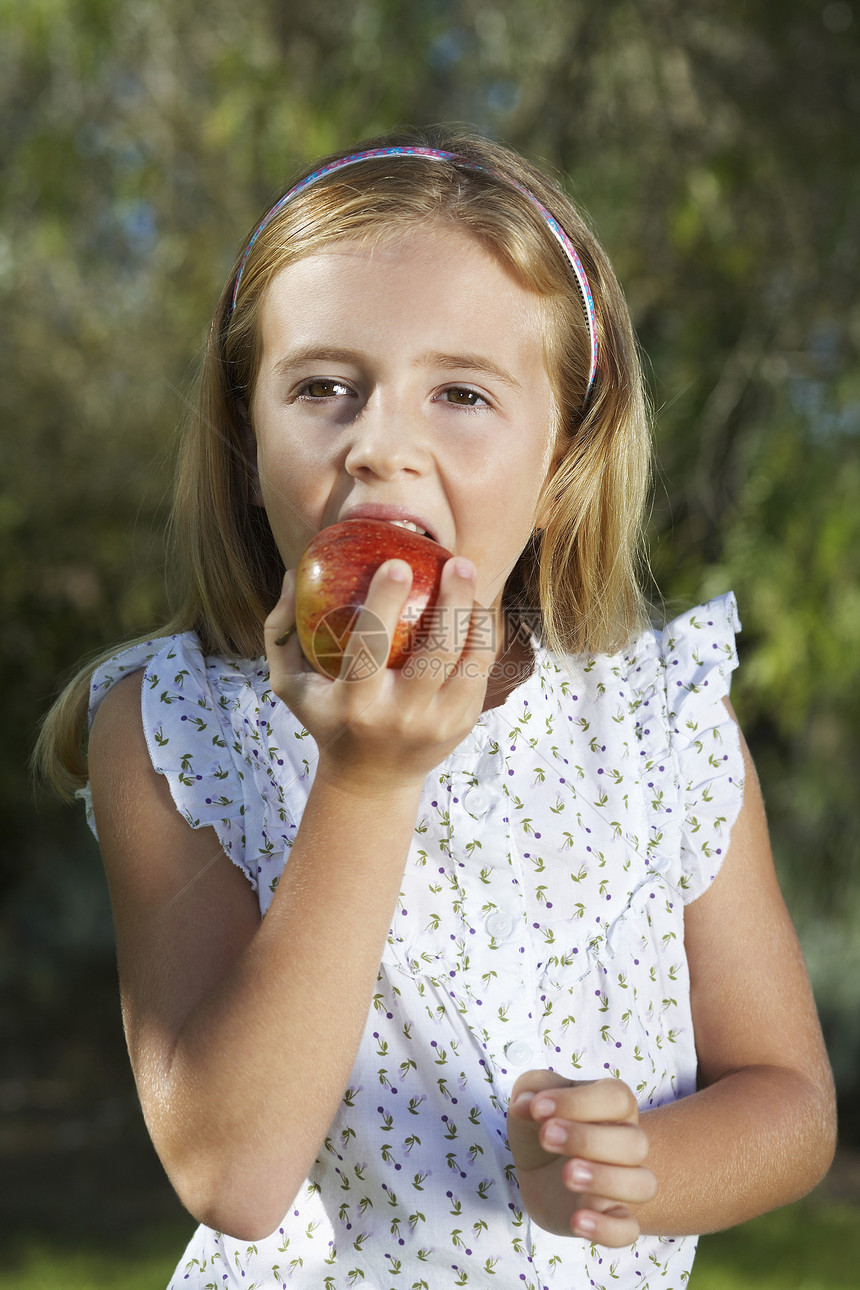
(249, 446)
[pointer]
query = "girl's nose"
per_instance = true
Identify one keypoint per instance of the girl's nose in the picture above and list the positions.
(385, 442)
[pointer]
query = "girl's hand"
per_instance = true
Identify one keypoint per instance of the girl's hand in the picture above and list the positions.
(392, 726)
(580, 1153)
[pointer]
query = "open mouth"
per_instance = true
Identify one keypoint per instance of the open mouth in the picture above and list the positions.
(413, 528)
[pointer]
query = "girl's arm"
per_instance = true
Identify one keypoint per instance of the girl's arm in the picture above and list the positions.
(760, 1132)
(242, 1033)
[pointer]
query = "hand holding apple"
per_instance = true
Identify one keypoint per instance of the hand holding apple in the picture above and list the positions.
(332, 580)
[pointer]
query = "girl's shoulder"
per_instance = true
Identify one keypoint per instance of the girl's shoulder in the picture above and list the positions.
(655, 715)
(176, 670)
(687, 662)
(234, 757)
(681, 677)
(690, 660)
(690, 646)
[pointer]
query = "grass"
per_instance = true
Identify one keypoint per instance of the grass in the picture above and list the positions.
(145, 1262)
(810, 1246)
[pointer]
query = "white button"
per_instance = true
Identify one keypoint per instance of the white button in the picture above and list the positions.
(518, 1053)
(499, 925)
(476, 803)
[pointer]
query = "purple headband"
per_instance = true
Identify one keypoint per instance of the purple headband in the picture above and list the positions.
(434, 154)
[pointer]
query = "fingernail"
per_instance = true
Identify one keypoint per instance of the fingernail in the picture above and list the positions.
(554, 1134)
(581, 1174)
(544, 1107)
(399, 571)
(585, 1225)
(465, 569)
(522, 1100)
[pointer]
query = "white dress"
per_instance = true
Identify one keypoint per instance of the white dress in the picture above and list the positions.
(540, 924)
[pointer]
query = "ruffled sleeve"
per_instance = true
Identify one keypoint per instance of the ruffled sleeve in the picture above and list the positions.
(692, 758)
(205, 733)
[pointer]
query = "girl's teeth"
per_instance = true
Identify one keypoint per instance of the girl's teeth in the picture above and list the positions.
(407, 524)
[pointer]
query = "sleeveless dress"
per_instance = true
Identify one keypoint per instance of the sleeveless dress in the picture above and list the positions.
(540, 924)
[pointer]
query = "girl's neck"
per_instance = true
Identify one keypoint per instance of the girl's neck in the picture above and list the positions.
(514, 662)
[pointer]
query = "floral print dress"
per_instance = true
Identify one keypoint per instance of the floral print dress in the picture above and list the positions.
(540, 924)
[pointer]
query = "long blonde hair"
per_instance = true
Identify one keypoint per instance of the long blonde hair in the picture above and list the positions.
(580, 570)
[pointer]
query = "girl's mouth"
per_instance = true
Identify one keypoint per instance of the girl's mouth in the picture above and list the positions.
(413, 528)
(396, 513)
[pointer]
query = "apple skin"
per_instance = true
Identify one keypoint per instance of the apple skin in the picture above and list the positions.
(332, 579)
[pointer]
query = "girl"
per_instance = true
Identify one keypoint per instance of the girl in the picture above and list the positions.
(475, 973)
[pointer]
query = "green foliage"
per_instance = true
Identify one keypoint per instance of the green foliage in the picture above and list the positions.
(714, 146)
(811, 1246)
(146, 1259)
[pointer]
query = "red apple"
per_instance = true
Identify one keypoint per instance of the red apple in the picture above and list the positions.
(332, 579)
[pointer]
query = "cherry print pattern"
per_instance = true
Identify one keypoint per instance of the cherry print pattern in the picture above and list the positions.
(540, 924)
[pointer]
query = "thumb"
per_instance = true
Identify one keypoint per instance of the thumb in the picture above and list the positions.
(522, 1129)
(533, 1082)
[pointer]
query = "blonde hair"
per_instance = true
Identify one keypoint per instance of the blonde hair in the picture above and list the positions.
(580, 570)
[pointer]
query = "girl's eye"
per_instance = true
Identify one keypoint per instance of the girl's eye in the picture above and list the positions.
(463, 397)
(323, 388)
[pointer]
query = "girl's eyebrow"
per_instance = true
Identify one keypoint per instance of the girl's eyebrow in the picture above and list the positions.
(477, 363)
(314, 354)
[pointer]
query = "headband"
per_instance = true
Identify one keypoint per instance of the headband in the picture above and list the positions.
(435, 154)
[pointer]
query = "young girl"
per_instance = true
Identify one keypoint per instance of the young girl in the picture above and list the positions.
(474, 973)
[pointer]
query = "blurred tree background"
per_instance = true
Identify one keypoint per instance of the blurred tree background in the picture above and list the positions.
(715, 149)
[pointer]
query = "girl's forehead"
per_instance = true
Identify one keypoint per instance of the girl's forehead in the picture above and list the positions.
(434, 238)
(415, 289)
(425, 261)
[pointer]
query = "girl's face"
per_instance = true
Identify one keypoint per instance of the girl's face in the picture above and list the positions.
(405, 380)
